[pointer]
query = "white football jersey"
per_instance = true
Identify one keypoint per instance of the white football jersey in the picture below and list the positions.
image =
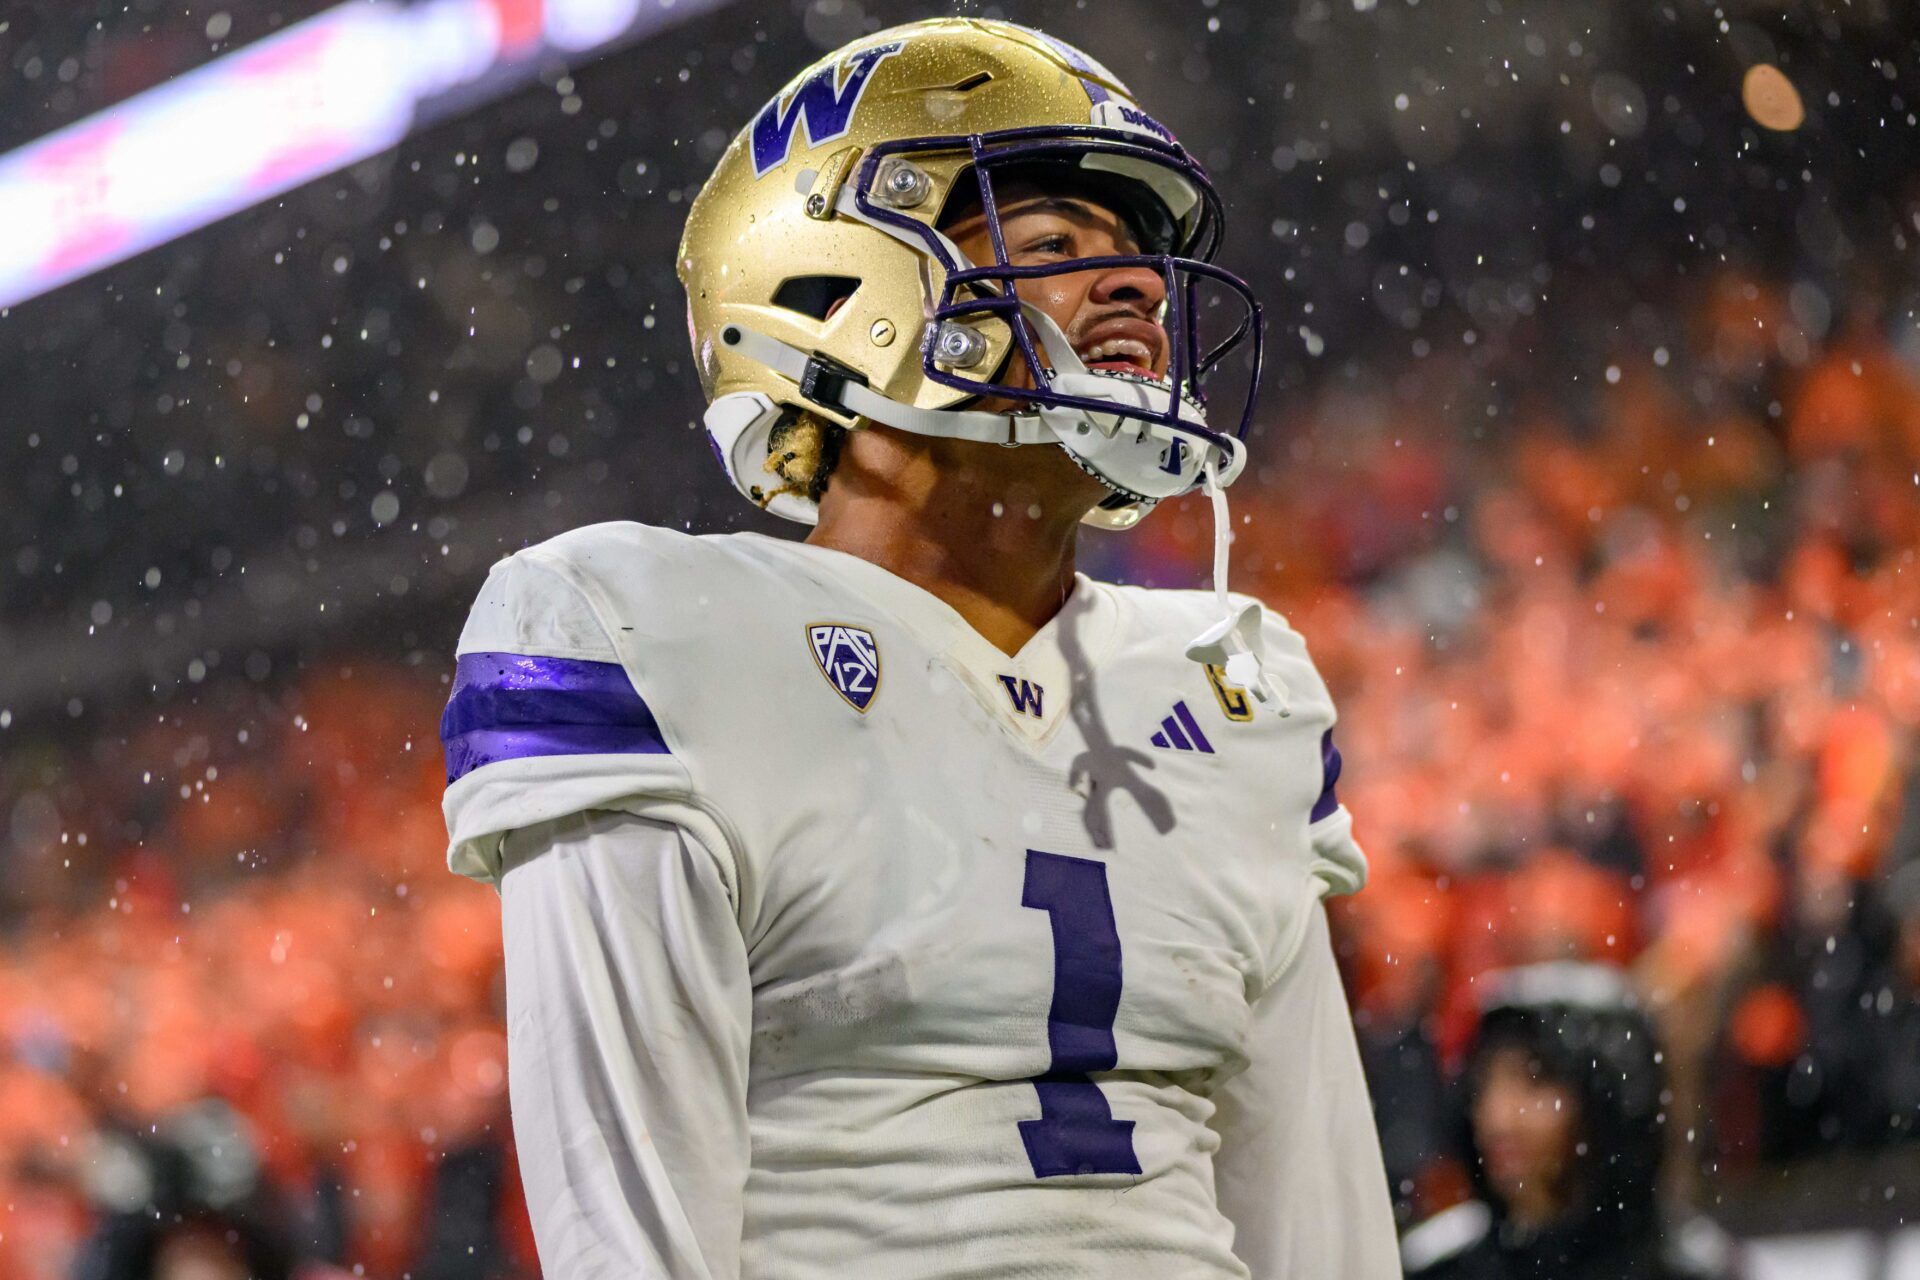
(1005, 916)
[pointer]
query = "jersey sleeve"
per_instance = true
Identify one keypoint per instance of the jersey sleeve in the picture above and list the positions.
(629, 1008)
(545, 719)
(1337, 865)
(1298, 1171)
(1338, 861)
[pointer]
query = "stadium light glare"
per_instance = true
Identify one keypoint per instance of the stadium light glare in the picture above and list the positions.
(337, 88)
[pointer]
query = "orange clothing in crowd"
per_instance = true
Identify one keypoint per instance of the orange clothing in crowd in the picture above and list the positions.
(1631, 692)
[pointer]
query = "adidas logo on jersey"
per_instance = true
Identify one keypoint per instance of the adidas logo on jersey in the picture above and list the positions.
(1181, 732)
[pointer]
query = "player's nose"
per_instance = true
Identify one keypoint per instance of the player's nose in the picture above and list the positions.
(1140, 289)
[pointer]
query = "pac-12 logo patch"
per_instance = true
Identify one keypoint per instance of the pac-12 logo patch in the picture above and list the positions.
(849, 659)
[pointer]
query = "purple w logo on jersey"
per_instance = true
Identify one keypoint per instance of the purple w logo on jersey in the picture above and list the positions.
(849, 659)
(1025, 695)
(826, 107)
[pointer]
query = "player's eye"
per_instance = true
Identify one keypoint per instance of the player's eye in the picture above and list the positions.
(1052, 243)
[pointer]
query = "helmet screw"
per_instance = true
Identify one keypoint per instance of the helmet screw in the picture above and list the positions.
(882, 333)
(816, 205)
(959, 346)
(903, 185)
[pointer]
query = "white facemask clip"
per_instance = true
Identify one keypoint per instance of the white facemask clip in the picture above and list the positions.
(1234, 643)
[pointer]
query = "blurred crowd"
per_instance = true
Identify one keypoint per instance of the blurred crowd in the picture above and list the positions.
(249, 1025)
(1628, 676)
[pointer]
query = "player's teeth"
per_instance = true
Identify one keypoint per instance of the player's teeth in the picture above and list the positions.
(1130, 348)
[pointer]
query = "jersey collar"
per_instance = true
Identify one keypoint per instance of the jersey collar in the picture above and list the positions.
(1029, 693)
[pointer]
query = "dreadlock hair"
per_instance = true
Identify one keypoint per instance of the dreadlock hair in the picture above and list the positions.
(802, 449)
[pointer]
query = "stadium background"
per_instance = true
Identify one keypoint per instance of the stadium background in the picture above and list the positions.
(1589, 463)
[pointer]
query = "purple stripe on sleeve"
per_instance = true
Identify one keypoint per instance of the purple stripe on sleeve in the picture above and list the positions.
(1330, 772)
(509, 706)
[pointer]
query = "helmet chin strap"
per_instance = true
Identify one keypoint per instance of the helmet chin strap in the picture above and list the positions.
(1234, 643)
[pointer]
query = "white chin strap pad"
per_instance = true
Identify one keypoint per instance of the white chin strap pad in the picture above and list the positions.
(1146, 459)
(1152, 460)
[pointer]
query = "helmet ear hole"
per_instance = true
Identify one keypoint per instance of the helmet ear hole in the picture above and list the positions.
(814, 296)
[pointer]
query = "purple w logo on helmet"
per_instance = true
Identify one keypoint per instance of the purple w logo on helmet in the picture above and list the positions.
(826, 107)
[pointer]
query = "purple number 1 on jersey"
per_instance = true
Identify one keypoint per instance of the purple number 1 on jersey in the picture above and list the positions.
(1076, 1131)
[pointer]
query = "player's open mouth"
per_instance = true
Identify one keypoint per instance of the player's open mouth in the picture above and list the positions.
(1122, 345)
(1123, 354)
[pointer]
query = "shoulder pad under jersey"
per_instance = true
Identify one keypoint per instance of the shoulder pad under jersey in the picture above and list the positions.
(546, 717)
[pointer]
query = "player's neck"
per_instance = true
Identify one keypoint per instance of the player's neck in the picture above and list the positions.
(997, 548)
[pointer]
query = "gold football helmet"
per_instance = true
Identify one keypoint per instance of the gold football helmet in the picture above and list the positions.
(818, 280)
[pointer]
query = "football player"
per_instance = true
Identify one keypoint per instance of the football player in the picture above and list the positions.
(901, 903)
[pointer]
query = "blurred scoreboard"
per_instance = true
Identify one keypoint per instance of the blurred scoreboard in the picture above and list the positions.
(341, 86)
